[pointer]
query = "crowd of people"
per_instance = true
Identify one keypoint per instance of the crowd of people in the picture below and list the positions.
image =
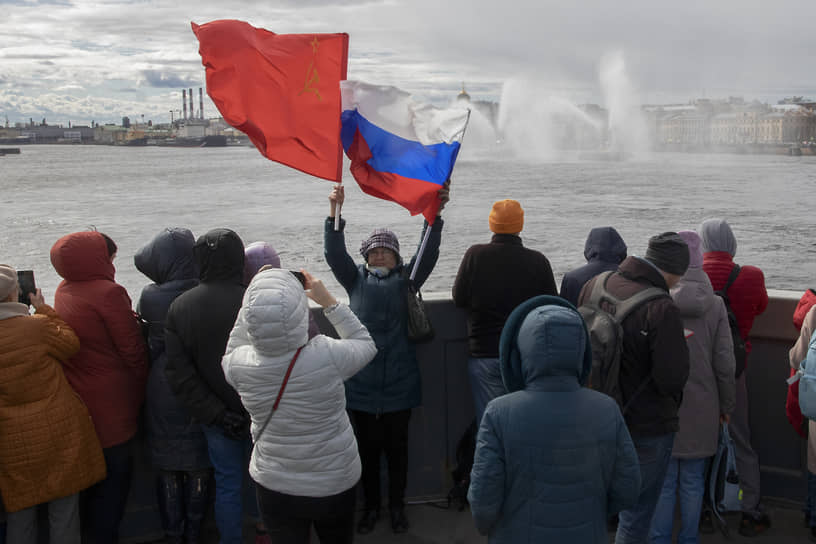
(223, 365)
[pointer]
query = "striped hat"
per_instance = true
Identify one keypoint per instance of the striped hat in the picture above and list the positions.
(380, 238)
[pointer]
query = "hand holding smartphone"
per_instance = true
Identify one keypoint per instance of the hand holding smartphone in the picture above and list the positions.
(25, 278)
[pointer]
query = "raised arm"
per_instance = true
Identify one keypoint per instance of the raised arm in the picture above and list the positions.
(431, 254)
(429, 258)
(61, 339)
(334, 244)
(355, 348)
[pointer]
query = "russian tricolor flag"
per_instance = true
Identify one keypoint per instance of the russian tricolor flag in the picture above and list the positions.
(400, 150)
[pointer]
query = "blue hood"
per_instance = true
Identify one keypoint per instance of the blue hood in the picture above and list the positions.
(168, 256)
(543, 337)
(605, 244)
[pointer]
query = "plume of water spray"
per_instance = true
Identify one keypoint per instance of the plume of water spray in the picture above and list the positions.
(535, 125)
(627, 125)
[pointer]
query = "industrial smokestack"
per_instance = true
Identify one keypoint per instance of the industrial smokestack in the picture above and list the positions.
(192, 111)
(184, 102)
(200, 104)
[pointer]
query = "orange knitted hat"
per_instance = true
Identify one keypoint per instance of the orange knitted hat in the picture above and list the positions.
(506, 217)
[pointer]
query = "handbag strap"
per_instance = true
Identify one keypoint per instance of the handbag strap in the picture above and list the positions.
(280, 392)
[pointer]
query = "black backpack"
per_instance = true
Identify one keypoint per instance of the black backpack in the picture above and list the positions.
(740, 351)
(603, 314)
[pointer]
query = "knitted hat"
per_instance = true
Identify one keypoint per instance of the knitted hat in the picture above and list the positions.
(256, 255)
(695, 250)
(380, 238)
(506, 217)
(8, 281)
(668, 252)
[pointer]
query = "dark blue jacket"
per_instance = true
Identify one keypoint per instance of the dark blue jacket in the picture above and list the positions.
(553, 459)
(391, 382)
(604, 250)
(174, 441)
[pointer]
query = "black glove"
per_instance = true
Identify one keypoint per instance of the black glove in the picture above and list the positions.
(233, 424)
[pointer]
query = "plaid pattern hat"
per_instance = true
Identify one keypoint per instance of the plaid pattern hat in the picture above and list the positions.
(380, 238)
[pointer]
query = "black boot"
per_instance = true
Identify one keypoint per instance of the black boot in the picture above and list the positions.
(171, 504)
(196, 495)
(399, 523)
(367, 522)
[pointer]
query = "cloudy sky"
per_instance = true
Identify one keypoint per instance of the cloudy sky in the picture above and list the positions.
(84, 60)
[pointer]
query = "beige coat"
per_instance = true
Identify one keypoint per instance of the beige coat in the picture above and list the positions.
(796, 355)
(49, 448)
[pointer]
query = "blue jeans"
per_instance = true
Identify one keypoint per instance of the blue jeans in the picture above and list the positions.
(654, 453)
(230, 460)
(485, 383)
(685, 479)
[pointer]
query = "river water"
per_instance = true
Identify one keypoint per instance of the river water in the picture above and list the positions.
(132, 193)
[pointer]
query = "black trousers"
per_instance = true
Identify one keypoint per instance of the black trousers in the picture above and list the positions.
(288, 518)
(377, 434)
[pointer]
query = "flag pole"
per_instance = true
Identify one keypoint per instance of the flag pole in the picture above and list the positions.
(428, 230)
(337, 208)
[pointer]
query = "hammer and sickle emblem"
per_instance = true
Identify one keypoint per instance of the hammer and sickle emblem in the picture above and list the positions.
(312, 77)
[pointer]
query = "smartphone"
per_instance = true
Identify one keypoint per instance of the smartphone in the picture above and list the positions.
(301, 278)
(26, 280)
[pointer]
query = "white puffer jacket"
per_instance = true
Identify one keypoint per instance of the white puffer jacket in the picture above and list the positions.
(308, 448)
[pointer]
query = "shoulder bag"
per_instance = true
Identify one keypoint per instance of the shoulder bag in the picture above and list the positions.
(280, 393)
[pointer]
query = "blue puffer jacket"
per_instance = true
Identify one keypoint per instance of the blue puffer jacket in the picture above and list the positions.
(553, 459)
(604, 250)
(174, 441)
(391, 382)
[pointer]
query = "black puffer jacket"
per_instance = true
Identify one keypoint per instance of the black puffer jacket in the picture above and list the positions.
(654, 349)
(198, 326)
(174, 441)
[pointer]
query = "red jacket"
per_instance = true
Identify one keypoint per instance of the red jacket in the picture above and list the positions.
(747, 294)
(792, 402)
(110, 370)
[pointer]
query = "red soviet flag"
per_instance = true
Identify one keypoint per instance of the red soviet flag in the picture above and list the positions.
(281, 90)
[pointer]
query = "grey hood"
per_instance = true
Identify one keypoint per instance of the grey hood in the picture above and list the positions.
(275, 312)
(717, 235)
(693, 294)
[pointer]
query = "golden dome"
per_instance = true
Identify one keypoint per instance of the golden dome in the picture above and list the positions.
(463, 95)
